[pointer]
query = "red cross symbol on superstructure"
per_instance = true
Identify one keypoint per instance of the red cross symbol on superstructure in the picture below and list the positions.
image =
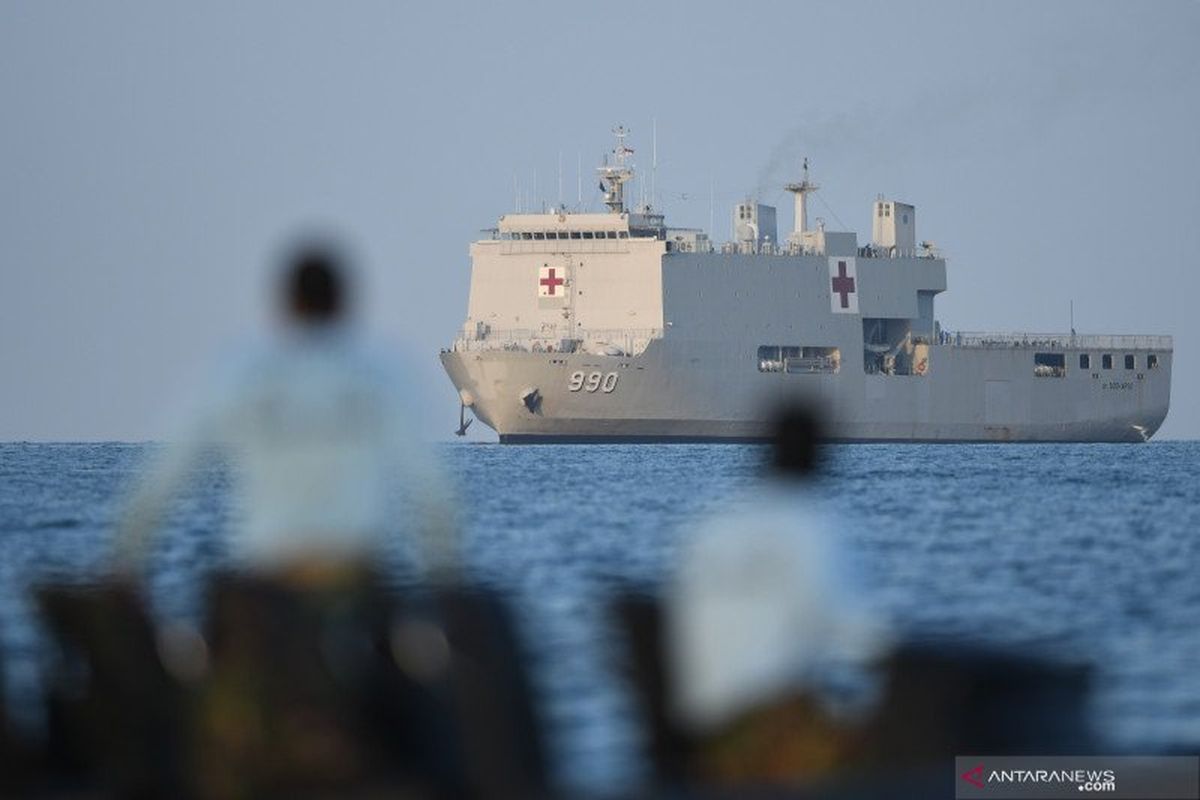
(550, 281)
(843, 284)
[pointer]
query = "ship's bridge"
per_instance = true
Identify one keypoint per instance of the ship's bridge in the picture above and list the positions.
(562, 224)
(566, 232)
(536, 227)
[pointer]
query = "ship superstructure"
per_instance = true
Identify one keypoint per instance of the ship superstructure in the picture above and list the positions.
(616, 326)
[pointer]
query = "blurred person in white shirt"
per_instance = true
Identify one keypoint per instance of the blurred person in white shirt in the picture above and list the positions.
(320, 439)
(765, 623)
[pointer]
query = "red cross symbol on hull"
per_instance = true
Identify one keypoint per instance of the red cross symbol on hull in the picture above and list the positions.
(843, 284)
(550, 282)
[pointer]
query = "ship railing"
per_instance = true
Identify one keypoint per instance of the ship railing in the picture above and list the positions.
(793, 248)
(689, 247)
(1056, 341)
(597, 341)
(876, 251)
(487, 339)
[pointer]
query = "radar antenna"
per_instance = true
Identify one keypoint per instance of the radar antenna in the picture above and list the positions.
(614, 176)
(801, 190)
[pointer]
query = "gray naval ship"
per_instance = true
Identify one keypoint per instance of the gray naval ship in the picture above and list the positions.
(616, 327)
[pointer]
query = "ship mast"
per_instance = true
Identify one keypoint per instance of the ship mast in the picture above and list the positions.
(801, 190)
(613, 177)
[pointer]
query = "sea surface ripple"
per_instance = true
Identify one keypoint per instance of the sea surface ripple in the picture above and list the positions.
(1085, 551)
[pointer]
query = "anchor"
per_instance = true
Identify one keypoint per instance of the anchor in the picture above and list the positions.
(463, 422)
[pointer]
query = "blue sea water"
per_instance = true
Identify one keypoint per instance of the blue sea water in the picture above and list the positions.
(1090, 551)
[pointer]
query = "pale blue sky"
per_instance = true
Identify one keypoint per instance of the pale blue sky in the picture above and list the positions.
(152, 155)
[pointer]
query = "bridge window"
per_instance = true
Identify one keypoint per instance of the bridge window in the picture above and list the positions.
(1085, 361)
(1049, 365)
(1152, 361)
(588, 235)
(1129, 364)
(574, 234)
(622, 234)
(798, 360)
(1106, 360)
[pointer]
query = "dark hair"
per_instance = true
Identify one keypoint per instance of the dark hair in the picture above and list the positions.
(795, 442)
(314, 284)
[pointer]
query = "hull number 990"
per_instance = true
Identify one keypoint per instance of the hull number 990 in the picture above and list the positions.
(590, 382)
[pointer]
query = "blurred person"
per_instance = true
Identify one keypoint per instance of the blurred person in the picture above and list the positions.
(320, 438)
(295, 685)
(761, 615)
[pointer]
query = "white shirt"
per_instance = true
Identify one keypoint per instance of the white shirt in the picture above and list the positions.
(760, 602)
(320, 438)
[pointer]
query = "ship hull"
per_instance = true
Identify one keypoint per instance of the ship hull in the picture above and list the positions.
(703, 392)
